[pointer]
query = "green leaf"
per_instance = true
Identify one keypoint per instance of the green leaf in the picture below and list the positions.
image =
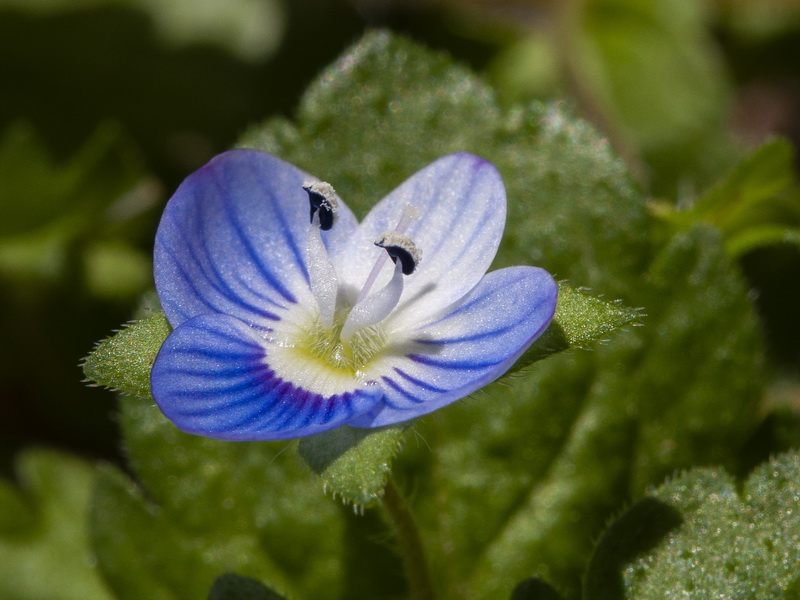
(235, 587)
(353, 463)
(44, 548)
(756, 237)
(697, 362)
(115, 270)
(698, 536)
(123, 361)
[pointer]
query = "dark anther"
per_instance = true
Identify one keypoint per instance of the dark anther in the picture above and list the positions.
(402, 248)
(322, 198)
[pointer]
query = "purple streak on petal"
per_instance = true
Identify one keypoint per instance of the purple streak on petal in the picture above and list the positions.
(232, 239)
(212, 378)
(462, 209)
(220, 287)
(514, 305)
(418, 382)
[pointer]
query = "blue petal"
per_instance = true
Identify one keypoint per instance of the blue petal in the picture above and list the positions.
(470, 346)
(212, 378)
(461, 202)
(232, 240)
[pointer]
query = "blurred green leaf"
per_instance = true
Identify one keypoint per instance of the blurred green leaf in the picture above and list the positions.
(54, 210)
(123, 361)
(651, 71)
(116, 270)
(251, 30)
(39, 191)
(755, 180)
(44, 546)
(756, 204)
(235, 587)
(698, 536)
(701, 378)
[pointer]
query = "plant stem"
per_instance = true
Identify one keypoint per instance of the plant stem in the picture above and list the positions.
(412, 551)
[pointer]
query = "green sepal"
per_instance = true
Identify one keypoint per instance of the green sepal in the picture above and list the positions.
(353, 463)
(123, 361)
(580, 319)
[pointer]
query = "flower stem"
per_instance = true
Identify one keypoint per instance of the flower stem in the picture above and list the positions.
(412, 551)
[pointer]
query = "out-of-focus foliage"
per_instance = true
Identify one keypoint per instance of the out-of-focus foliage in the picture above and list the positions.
(756, 205)
(647, 72)
(513, 487)
(59, 217)
(44, 544)
(251, 29)
(235, 587)
(71, 251)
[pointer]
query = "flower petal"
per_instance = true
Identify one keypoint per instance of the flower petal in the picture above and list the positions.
(470, 346)
(212, 377)
(232, 240)
(462, 210)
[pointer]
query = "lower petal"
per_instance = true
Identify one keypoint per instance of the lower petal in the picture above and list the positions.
(212, 378)
(471, 345)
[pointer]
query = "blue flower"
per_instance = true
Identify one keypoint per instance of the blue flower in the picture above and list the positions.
(291, 318)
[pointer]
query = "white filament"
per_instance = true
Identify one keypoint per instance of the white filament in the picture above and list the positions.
(324, 283)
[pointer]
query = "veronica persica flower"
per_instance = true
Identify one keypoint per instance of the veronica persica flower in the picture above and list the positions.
(291, 318)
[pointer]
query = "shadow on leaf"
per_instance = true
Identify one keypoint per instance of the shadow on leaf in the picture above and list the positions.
(637, 531)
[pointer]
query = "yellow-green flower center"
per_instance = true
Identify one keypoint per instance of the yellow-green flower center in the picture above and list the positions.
(351, 356)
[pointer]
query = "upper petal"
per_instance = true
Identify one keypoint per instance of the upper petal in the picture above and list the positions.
(472, 344)
(213, 377)
(462, 210)
(232, 239)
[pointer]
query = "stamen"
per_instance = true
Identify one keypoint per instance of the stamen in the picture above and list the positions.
(410, 214)
(321, 274)
(400, 247)
(322, 200)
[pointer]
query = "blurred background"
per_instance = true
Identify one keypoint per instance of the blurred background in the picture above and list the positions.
(105, 105)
